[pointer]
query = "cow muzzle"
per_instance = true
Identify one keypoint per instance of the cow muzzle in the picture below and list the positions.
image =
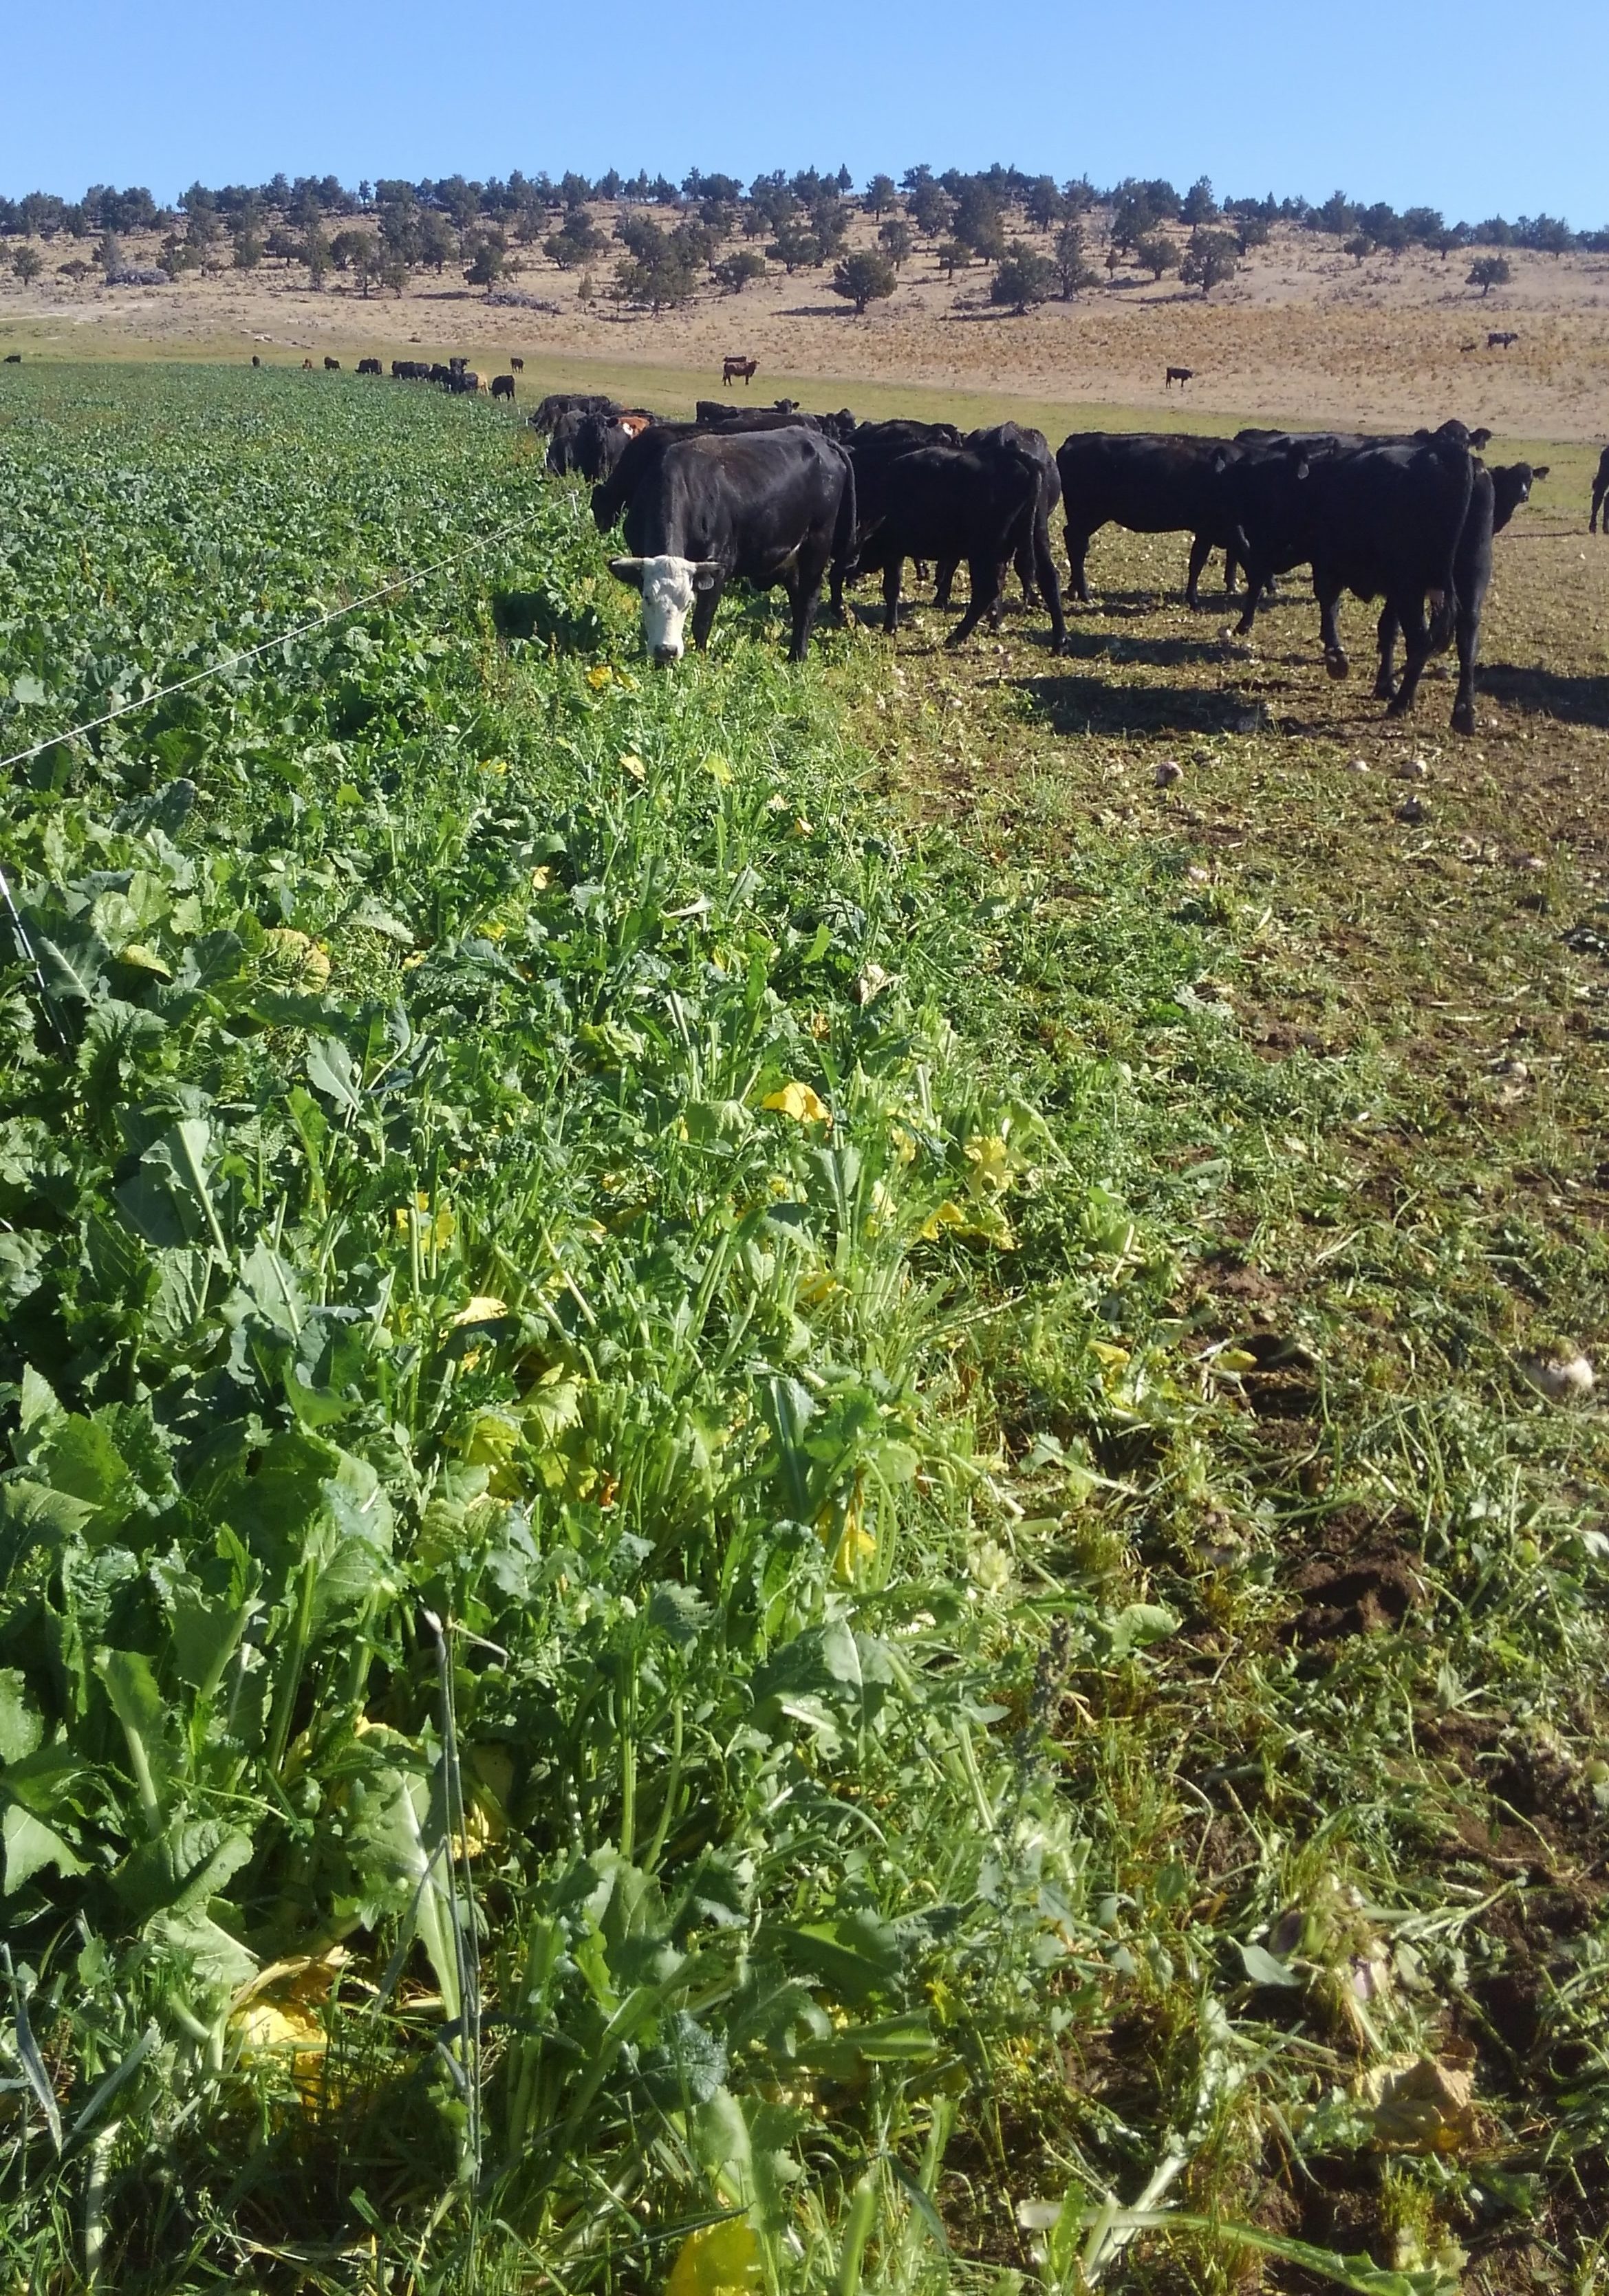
(664, 655)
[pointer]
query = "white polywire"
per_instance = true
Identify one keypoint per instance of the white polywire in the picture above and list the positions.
(234, 660)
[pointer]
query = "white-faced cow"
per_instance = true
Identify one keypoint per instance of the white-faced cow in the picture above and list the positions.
(766, 507)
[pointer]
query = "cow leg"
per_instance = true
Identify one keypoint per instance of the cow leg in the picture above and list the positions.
(988, 583)
(804, 595)
(1469, 646)
(1201, 550)
(1415, 653)
(891, 595)
(1025, 571)
(1049, 583)
(1078, 545)
(704, 613)
(1385, 639)
(1231, 568)
(946, 581)
(1329, 631)
(1256, 582)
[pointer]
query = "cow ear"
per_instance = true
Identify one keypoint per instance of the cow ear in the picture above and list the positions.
(706, 573)
(628, 570)
(1302, 466)
(1540, 472)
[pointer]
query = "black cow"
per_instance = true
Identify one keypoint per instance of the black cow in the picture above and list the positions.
(1034, 444)
(1152, 482)
(14, 358)
(841, 428)
(1493, 500)
(368, 366)
(721, 415)
(982, 503)
(586, 446)
(331, 366)
(561, 402)
(767, 507)
(502, 387)
(1600, 493)
(1382, 519)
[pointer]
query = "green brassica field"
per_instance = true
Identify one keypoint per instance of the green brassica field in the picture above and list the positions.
(622, 1585)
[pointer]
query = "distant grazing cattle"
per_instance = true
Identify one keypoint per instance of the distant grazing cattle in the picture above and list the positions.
(331, 366)
(733, 368)
(14, 358)
(518, 364)
(1179, 375)
(1151, 482)
(766, 507)
(1494, 498)
(984, 503)
(1501, 339)
(560, 402)
(785, 405)
(1600, 493)
(306, 366)
(502, 387)
(414, 371)
(368, 366)
(256, 359)
(463, 379)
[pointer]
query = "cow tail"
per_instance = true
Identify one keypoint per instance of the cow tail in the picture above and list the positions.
(1445, 619)
(843, 532)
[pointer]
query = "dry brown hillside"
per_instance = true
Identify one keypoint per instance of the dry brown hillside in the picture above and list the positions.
(1304, 330)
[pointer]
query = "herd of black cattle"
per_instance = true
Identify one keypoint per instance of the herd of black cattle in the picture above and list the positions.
(781, 498)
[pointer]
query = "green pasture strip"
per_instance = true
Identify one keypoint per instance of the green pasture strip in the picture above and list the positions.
(647, 1578)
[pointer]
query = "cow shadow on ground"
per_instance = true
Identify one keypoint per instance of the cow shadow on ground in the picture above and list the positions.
(1155, 653)
(538, 615)
(1091, 705)
(1545, 693)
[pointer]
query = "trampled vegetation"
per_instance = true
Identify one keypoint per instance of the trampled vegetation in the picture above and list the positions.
(678, 1605)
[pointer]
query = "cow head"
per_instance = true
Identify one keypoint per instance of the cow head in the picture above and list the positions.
(669, 585)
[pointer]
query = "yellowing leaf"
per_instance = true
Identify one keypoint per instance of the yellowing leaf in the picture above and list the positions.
(800, 1102)
(600, 678)
(540, 880)
(1236, 1359)
(146, 959)
(483, 1308)
(630, 763)
(717, 769)
(816, 1286)
(717, 2259)
(1421, 2105)
(903, 1144)
(990, 1160)
(1114, 1358)
(942, 1215)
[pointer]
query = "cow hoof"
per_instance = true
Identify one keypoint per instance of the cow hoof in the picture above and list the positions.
(1398, 708)
(1464, 718)
(1384, 689)
(1336, 662)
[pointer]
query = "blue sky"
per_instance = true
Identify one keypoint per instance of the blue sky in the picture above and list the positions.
(1438, 103)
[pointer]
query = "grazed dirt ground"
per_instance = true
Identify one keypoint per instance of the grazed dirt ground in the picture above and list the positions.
(1303, 332)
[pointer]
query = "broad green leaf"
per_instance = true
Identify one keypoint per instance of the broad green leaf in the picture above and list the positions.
(386, 1839)
(21, 1727)
(139, 1705)
(30, 1846)
(189, 1862)
(1263, 1969)
(213, 1958)
(330, 1071)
